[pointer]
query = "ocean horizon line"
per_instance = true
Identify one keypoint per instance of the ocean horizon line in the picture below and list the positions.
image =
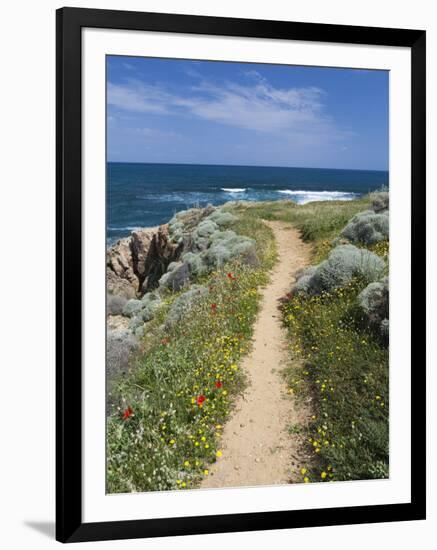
(246, 166)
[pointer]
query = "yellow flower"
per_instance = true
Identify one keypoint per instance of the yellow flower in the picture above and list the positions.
(186, 464)
(323, 475)
(172, 441)
(206, 472)
(306, 479)
(183, 484)
(303, 471)
(218, 454)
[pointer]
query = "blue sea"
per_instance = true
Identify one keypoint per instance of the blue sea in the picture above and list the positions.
(146, 195)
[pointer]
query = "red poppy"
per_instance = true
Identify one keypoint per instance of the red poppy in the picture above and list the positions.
(214, 307)
(231, 276)
(127, 413)
(200, 400)
(218, 384)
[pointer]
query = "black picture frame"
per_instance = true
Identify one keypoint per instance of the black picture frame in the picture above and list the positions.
(69, 525)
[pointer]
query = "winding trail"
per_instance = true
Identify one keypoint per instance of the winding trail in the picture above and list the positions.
(257, 450)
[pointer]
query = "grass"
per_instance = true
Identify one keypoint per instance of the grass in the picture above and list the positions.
(165, 429)
(318, 222)
(345, 370)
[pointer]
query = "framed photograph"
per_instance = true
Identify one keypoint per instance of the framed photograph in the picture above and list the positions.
(240, 274)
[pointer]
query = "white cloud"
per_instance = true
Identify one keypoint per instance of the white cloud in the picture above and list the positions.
(154, 133)
(296, 113)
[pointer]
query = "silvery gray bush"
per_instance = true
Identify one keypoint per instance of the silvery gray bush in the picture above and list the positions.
(384, 329)
(176, 277)
(185, 222)
(380, 202)
(195, 264)
(115, 304)
(184, 304)
(136, 321)
(141, 311)
(221, 218)
(150, 303)
(344, 263)
(226, 245)
(367, 227)
(303, 282)
(121, 345)
(132, 307)
(202, 234)
(374, 301)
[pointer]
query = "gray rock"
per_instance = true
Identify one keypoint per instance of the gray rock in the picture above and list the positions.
(141, 241)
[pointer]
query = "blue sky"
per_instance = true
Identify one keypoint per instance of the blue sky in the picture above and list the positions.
(206, 112)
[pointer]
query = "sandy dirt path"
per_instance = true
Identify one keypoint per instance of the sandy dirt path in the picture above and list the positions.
(257, 450)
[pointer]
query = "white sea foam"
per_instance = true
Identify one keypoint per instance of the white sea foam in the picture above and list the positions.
(234, 189)
(302, 197)
(125, 228)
